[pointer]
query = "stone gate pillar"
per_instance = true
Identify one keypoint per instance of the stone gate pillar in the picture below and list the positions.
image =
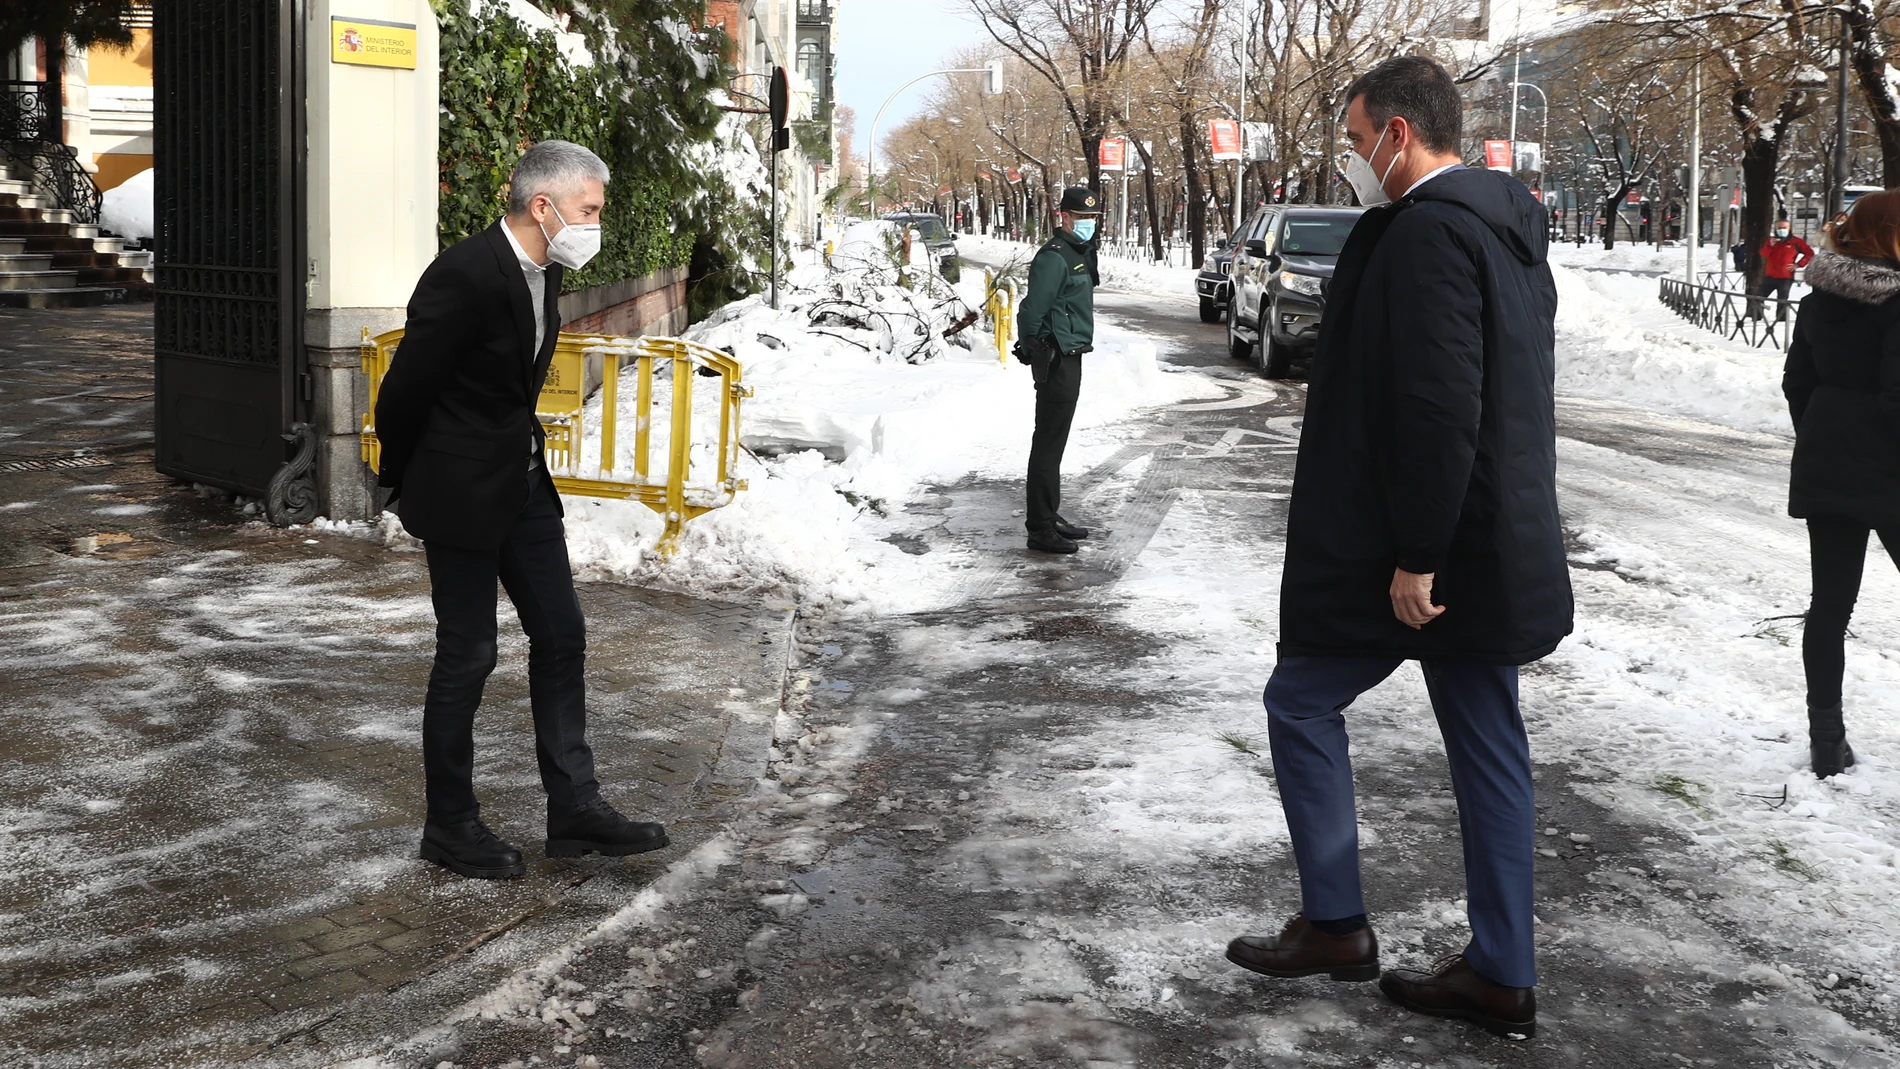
(371, 107)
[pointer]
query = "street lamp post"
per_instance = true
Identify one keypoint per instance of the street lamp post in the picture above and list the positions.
(1240, 115)
(1544, 145)
(1693, 238)
(1837, 188)
(993, 84)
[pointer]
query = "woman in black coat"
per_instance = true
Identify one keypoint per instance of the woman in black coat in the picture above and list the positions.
(1843, 386)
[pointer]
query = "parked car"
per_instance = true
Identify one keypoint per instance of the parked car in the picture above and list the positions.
(943, 244)
(1281, 269)
(1212, 283)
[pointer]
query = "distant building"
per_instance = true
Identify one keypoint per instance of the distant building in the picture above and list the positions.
(801, 36)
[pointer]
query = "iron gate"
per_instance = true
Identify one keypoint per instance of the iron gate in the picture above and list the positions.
(228, 136)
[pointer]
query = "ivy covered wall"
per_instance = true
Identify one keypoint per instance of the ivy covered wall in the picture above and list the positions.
(647, 105)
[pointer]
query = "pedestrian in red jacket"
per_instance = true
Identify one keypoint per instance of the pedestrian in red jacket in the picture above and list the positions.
(1781, 256)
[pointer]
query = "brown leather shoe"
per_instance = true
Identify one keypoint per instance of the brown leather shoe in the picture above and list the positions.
(1303, 950)
(1454, 989)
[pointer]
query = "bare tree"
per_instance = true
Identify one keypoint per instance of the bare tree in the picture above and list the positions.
(1870, 55)
(1184, 70)
(1767, 62)
(1089, 39)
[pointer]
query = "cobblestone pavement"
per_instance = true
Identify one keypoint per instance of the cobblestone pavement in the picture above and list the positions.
(212, 781)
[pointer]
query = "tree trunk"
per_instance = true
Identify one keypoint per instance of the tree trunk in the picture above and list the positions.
(1612, 207)
(1760, 158)
(1092, 155)
(1196, 199)
(1867, 53)
(1154, 209)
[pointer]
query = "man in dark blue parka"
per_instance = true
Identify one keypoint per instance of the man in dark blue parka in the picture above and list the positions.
(1423, 526)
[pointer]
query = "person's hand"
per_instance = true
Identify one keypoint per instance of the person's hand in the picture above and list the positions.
(1412, 599)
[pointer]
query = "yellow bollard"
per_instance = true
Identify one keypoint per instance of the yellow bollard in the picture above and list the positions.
(1001, 306)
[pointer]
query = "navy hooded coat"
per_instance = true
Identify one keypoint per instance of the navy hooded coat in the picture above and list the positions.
(1429, 440)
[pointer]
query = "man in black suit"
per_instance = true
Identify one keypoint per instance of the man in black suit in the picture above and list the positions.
(462, 457)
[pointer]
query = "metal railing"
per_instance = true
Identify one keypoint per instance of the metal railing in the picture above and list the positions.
(589, 460)
(1732, 314)
(23, 112)
(30, 143)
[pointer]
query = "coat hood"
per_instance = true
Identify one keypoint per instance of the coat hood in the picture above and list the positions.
(1866, 281)
(1502, 202)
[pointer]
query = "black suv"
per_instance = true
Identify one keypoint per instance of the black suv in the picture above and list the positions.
(1281, 269)
(942, 243)
(1212, 283)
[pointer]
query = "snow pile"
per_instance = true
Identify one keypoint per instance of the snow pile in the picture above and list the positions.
(860, 405)
(1616, 341)
(572, 46)
(1629, 257)
(127, 207)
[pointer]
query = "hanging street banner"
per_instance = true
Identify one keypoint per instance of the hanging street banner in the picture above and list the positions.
(1224, 136)
(1114, 154)
(1530, 156)
(1015, 176)
(1497, 155)
(1635, 197)
(373, 43)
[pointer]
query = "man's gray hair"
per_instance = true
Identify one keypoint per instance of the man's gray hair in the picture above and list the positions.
(554, 168)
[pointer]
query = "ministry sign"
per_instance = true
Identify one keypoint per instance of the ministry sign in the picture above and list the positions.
(373, 43)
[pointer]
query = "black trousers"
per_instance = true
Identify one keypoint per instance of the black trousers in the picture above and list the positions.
(1056, 395)
(532, 566)
(1779, 288)
(1838, 551)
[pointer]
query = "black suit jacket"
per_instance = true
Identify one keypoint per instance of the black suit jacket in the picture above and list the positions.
(455, 413)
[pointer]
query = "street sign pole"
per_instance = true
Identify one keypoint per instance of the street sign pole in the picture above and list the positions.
(781, 106)
(1693, 236)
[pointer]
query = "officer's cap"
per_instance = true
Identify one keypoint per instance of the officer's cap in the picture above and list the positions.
(1081, 200)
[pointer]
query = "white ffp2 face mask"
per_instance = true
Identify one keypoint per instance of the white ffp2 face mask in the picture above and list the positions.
(575, 244)
(1367, 186)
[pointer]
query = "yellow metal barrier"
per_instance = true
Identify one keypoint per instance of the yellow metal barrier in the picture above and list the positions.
(1000, 305)
(585, 463)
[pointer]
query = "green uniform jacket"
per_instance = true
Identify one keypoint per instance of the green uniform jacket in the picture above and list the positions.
(1060, 303)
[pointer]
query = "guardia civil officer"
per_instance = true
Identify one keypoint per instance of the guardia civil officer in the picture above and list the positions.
(1056, 323)
(462, 456)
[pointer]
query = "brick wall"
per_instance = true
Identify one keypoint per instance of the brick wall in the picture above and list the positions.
(652, 305)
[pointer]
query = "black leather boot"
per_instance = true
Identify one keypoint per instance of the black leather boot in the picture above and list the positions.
(1827, 742)
(1070, 531)
(600, 829)
(471, 849)
(1048, 541)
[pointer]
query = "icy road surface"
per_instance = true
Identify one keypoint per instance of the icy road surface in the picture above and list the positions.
(1020, 828)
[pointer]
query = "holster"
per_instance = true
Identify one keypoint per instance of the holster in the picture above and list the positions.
(1038, 353)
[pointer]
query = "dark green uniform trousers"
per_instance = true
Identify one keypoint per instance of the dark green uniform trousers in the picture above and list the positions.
(1055, 410)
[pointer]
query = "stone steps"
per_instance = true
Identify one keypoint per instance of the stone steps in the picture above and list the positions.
(48, 260)
(14, 263)
(26, 280)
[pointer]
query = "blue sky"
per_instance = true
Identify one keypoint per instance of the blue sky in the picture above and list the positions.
(884, 43)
